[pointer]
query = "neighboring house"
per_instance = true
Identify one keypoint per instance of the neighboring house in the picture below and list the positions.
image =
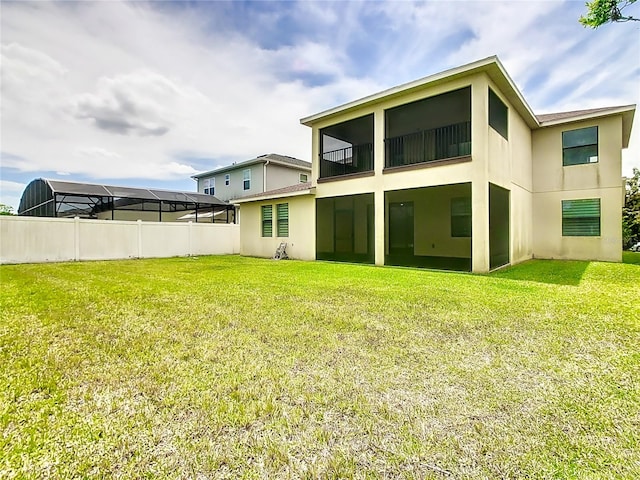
(452, 171)
(266, 172)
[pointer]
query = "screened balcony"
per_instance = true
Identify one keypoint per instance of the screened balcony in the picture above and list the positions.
(347, 148)
(429, 130)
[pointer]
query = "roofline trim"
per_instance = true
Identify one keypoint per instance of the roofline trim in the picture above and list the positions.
(299, 193)
(477, 66)
(248, 164)
(602, 113)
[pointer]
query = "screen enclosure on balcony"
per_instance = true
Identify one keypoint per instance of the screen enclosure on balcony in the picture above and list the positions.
(427, 130)
(347, 147)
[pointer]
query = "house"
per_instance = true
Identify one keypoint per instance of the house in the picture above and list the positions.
(266, 172)
(452, 171)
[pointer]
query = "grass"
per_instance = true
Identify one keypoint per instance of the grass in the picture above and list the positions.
(231, 367)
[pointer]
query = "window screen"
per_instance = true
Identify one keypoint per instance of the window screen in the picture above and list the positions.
(498, 115)
(267, 220)
(581, 218)
(283, 219)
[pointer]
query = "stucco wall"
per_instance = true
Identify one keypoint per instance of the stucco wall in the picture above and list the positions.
(36, 239)
(553, 183)
(279, 176)
(301, 239)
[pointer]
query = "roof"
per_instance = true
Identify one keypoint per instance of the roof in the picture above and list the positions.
(93, 189)
(497, 73)
(627, 112)
(490, 65)
(283, 160)
(290, 191)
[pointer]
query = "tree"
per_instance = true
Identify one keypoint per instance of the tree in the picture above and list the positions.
(600, 12)
(6, 209)
(631, 210)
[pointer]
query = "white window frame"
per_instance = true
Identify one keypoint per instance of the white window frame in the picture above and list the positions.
(306, 178)
(246, 177)
(227, 179)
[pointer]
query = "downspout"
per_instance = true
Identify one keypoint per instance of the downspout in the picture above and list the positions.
(264, 176)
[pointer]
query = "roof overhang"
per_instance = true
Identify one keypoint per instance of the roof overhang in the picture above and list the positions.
(273, 196)
(229, 168)
(249, 163)
(490, 65)
(627, 112)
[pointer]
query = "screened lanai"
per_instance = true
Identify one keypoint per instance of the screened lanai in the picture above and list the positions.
(54, 198)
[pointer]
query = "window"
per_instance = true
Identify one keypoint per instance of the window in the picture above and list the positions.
(581, 218)
(227, 179)
(282, 210)
(267, 220)
(580, 146)
(461, 217)
(498, 115)
(304, 178)
(246, 179)
(210, 186)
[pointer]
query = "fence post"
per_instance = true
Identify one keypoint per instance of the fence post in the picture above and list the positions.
(139, 222)
(76, 238)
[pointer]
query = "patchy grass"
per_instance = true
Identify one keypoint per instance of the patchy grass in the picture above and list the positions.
(231, 367)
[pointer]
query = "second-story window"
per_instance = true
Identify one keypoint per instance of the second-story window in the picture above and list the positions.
(210, 186)
(246, 179)
(227, 179)
(498, 115)
(580, 146)
(304, 178)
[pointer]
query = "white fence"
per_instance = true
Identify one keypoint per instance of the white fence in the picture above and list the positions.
(37, 239)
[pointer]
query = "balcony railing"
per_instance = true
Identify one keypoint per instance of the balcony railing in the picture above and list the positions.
(354, 159)
(429, 145)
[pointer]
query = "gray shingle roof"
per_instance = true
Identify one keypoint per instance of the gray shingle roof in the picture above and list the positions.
(552, 117)
(298, 187)
(275, 157)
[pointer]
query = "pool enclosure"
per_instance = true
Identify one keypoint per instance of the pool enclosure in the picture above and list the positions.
(54, 198)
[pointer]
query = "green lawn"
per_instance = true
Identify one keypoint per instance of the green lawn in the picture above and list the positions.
(232, 367)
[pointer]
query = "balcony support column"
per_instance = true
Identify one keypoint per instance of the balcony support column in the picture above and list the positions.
(378, 181)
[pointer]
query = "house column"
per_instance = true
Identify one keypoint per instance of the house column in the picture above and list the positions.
(480, 180)
(378, 194)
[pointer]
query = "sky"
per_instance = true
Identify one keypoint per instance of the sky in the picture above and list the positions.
(149, 93)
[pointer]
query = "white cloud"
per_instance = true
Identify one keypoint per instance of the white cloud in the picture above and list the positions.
(132, 90)
(9, 186)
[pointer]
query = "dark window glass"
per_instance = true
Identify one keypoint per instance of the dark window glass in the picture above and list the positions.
(580, 146)
(498, 115)
(461, 217)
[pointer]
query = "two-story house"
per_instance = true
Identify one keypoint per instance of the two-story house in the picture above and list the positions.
(266, 172)
(451, 171)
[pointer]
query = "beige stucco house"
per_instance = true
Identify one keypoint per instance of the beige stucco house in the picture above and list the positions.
(266, 172)
(451, 171)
